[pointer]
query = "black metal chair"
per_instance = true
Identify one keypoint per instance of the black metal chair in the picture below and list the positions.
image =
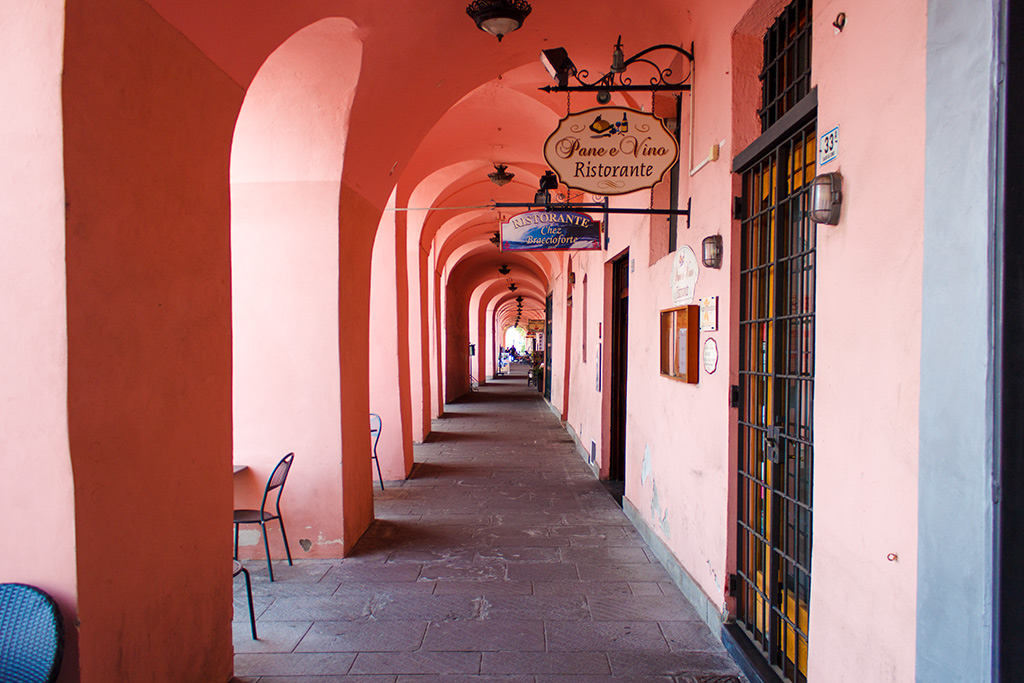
(31, 635)
(375, 425)
(237, 569)
(261, 516)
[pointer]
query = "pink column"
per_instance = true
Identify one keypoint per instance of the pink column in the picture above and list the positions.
(148, 122)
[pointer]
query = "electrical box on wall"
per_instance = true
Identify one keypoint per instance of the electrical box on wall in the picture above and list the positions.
(680, 335)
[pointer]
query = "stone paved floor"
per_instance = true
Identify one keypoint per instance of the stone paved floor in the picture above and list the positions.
(500, 559)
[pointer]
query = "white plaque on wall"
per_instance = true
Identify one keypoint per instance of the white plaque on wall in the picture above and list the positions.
(684, 276)
(710, 356)
(709, 314)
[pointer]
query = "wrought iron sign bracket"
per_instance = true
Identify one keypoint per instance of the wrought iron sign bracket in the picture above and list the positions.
(617, 80)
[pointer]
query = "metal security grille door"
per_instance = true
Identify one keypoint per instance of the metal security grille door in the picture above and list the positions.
(776, 365)
(776, 445)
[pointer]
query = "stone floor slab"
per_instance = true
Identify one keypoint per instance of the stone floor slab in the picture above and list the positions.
(363, 636)
(417, 663)
(576, 663)
(500, 560)
(610, 636)
(485, 635)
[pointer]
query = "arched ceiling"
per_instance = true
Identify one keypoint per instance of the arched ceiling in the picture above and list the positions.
(433, 102)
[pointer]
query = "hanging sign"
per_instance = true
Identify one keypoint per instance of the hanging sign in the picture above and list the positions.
(550, 231)
(611, 150)
(535, 325)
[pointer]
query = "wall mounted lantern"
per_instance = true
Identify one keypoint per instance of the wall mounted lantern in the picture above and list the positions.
(499, 17)
(826, 198)
(504, 269)
(548, 181)
(558, 65)
(500, 175)
(711, 251)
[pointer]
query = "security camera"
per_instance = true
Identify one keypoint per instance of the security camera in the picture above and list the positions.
(603, 97)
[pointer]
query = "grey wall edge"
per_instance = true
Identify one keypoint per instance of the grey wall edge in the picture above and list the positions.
(680, 577)
(955, 608)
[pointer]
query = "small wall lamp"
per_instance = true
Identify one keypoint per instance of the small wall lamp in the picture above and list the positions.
(548, 181)
(557, 63)
(826, 198)
(711, 251)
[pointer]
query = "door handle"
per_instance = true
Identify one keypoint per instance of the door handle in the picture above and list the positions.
(773, 444)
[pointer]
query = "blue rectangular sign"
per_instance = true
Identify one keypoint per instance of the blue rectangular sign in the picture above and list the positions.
(551, 231)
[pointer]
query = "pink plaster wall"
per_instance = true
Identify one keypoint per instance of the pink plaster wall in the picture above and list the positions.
(286, 364)
(388, 327)
(478, 334)
(868, 343)
(419, 336)
(680, 438)
(37, 497)
(456, 340)
(286, 171)
(433, 296)
(584, 414)
(356, 213)
(147, 124)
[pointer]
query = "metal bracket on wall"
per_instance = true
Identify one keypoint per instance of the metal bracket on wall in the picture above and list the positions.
(616, 80)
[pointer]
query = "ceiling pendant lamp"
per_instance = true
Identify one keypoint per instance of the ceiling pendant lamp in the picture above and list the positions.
(498, 17)
(500, 175)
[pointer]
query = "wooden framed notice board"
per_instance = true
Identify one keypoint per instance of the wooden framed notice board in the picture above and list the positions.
(680, 337)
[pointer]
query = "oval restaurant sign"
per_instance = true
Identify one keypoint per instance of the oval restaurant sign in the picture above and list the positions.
(550, 231)
(611, 150)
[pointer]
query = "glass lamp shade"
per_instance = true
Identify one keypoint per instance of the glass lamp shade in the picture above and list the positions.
(499, 26)
(711, 251)
(498, 17)
(826, 198)
(618, 59)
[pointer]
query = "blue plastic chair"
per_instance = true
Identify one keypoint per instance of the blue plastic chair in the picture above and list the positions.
(31, 635)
